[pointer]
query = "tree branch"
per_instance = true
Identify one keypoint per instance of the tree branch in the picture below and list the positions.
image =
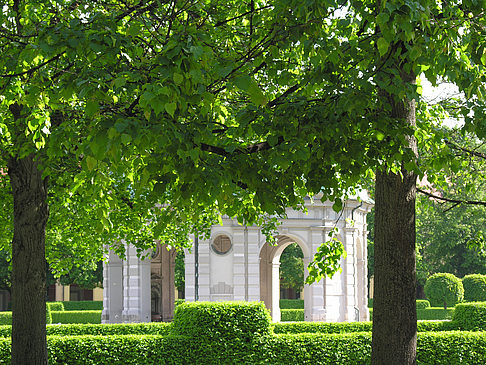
(470, 152)
(252, 148)
(34, 68)
(456, 201)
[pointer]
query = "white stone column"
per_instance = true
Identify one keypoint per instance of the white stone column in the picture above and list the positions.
(189, 262)
(239, 267)
(112, 288)
(363, 276)
(307, 292)
(275, 291)
(253, 263)
(136, 288)
(204, 270)
(350, 275)
(315, 294)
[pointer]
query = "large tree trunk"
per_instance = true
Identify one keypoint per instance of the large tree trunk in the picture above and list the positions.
(29, 191)
(394, 313)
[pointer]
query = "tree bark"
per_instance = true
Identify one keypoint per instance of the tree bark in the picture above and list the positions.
(31, 212)
(394, 311)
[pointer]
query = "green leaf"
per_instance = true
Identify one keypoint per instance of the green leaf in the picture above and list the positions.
(383, 46)
(126, 138)
(382, 18)
(91, 163)
(170, 108)
(178, 78)
(243, 82)
(483, 58)
(256, 94)
(92, 107)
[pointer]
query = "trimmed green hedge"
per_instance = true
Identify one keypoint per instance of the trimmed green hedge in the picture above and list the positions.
(349, 327)
(6, 317)
(433, 313)
(55, 306)
(83, 305)
(82, 329)
(291, 315)
(84, 316)
(444, 290)
(291, 304)
(471, 316)
(422, 304)
(222, 321)
(430, 314)
(474, 287)
(445, 348)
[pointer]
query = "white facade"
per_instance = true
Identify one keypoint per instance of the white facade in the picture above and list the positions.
(249, 270)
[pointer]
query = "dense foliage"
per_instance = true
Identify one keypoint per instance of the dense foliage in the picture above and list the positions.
(292, 315)
(85, 316)
(292, 268)
(291, 303)
(443, 289)
(471, 316)
(474, 288)
(220, 321)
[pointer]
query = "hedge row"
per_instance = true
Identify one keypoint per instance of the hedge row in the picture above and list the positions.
(55, 306)
(291, 303)
(156, 328)
(83, 316)
(474, 287)
(349, 327)
(82, 305)
(420, 303)
(471, 316)
(445, 348)
(222, 321)
(430, 314)
(291, 315)
(6, 317)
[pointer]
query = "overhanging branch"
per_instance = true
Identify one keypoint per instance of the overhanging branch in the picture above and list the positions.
(455, 201)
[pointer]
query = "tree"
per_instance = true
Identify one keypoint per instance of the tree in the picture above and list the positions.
(207, 108)
(292, 268)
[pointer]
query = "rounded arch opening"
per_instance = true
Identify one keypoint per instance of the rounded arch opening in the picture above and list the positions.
(270, 266)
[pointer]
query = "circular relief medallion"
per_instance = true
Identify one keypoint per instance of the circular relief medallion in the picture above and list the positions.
(221, 244)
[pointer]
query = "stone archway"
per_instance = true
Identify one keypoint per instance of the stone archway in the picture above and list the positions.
(270, 272)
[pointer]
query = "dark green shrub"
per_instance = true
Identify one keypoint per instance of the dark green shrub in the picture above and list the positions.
(434, 314)
(83, 305)
(321, 327)
(76, 316)
(422, 304)
(474, 288)
(470, 316)
(370, 302)
(6, 317)
(349, 327)
(445, 348)
(56, 306)
(291, 315)
(83, 329)
(221, 321)
(451, 348)
(291, 304)
(444, 290)
(429, 314)
(48, 314)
